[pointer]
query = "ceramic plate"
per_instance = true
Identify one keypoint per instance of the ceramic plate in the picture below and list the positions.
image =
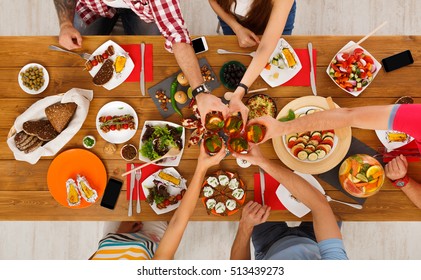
(390, 146)
(46, 79)
(341, 147)
(175, 161)
(148, 183)
(293, 205)
(117, 108)
(117, 78)
(70, 163)
(275, 76)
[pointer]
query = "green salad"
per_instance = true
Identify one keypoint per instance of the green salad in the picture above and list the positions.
(157, 140)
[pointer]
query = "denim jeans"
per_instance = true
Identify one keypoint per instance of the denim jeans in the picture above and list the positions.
(289, 25)
(132, 24)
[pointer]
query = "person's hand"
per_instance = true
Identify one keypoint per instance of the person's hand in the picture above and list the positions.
(254, 214)
(207, 103)
(272, 127)
(246, 38)
(70, 37)
(254, 155)
(206, 160)
(396, 168)
(237, 106)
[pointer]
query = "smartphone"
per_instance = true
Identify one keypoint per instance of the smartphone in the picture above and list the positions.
(397, 61)
(200, 45)
(111, 193)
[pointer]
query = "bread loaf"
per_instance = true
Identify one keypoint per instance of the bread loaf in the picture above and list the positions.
(104, 74)
(60, 114)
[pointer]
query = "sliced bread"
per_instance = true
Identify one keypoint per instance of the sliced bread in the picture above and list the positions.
(60, 114)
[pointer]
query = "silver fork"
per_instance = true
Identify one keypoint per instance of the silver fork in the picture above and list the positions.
(138, 174)
(82, 55)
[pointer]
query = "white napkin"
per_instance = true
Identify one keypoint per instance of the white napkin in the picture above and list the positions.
(81, 97)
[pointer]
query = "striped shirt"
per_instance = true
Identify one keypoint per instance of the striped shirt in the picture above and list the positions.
(166, 14)
(125, 246)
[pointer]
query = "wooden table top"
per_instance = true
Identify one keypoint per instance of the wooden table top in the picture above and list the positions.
(24, 192)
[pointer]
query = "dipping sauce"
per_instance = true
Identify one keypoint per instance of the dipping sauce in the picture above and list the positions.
(128, 152)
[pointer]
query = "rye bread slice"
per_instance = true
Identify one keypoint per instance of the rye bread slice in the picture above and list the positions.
(33, 127)
(47, 133)
(104, 74)
(60, 114)
(28, 143)
(34, 146)
(20, 138)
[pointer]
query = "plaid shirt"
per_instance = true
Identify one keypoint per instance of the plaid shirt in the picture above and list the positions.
(166, 15)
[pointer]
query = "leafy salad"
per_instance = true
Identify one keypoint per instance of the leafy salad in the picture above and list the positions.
(158, 140)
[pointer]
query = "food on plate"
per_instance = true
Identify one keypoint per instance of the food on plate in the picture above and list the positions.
(255, 133)
(396, 136)
(27, 143)
(162, 99)
(361, 175)
(60, 114)
(42, 129)
(232, 73)
(206, 74)
(237, 144)
(159, 195)
(33, 78)
(88, 141)
(212, 143)
(352, 71)
(173, 91)
(233, 125)
(170, 178)
(109, 148)
(128, 152)
(73, 195)
(289, 117)
(85, 189)
(119, 63)
(158, 140)
(104, 74)
(112, 123)
(405, 100)
(284, 59)
(90, 64)
(180, 96)
(261, 105)
(214, 121)
(182, 79)
(223, 193)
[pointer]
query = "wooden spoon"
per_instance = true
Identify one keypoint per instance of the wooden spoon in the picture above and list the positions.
(340, 132)
(171, 153)
(228, 94)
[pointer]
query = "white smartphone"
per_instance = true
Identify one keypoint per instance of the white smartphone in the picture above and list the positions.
(200, 45)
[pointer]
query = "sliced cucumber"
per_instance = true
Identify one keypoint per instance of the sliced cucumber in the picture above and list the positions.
(302, 155)
(320, 154)
(312, 157)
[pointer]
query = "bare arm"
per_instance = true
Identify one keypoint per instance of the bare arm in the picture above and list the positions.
(172, 237)
(69, 37)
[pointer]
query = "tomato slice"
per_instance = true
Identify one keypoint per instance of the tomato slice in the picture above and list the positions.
(358, 51)
(368, 59)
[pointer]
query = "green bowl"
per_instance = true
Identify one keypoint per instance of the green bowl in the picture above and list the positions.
(231, 82)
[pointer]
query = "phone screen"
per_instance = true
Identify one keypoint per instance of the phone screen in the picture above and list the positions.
(111, 193)
(199, 45)
(397, 61)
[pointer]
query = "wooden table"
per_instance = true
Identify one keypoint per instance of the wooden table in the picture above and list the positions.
(24, 193)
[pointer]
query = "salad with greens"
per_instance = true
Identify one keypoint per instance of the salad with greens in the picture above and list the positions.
(158, 140)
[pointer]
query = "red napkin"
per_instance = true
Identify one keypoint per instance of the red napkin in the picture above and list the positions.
(303, 77)
(134, 52)
(270, 192)
(146, 172)
(410, 146)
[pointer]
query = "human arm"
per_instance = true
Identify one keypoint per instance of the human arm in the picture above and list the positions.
(397, 169)
(253, 214)
(270, 38)
(172, 237)
(324, 222)
(69, 37)
(369, 117)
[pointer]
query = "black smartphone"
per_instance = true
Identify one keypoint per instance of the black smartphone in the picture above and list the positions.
(200, 45)
(397, 61)
(111, 193)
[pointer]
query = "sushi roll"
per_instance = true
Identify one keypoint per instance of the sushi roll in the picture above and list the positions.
(73, 196)
(87, 192)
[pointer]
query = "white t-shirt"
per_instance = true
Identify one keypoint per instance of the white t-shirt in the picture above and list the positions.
(243, 7)
(116, 4)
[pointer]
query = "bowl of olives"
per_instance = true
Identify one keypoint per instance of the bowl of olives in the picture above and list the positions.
(33, 78)
(231, 74)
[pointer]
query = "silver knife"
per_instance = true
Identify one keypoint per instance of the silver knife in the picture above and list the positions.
(262, 184)
(132, 180)
(312, 74)
(142, 71)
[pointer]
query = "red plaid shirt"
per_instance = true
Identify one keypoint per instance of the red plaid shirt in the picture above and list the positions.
(166, 15)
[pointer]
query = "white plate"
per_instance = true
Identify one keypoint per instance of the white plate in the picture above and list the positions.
(293, 205)
(148, 183)
(390, 146)
(174, 161)
(117, 108)
(285, 74)
(46, 79)
(303, 110)
(351, 46)
(119, 78)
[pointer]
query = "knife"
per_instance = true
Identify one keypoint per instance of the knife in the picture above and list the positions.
(262, 185)
(142, 70)
(312, 74)
(131, 191)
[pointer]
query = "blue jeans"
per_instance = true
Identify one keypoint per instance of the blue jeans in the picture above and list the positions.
(289, 25)
(132, 24)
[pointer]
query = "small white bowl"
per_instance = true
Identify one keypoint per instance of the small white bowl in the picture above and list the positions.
(88, 137)
(46, 79)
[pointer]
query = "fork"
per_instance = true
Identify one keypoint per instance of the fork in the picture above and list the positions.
(221, 51)
(138, 174)
(82, 55)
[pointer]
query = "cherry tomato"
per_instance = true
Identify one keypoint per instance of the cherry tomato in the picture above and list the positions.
(125, 126)
(108, 118)
(94, 62)
(179, 197)
(112, 127)
(166, 202)
(105, 55)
